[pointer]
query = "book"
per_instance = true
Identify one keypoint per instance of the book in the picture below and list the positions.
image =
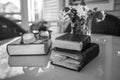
(72, 41)
(37, 48)
(67, 65)
(88, 53)
(61, 58)
(69, 53)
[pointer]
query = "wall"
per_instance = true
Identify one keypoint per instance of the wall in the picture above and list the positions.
(51, 10)
(116, 11)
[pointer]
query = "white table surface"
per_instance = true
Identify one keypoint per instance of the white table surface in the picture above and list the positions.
(104, 67)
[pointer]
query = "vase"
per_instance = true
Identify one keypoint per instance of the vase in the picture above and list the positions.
(89, 26)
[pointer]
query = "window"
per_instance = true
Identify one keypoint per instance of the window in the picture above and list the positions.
(25, 11)
(31, 11)
(10, 9)
(35, 10)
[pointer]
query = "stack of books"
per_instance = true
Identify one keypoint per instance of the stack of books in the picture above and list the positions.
(73, 51)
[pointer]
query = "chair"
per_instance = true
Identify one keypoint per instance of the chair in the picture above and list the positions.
(110, 26)
(9, 29)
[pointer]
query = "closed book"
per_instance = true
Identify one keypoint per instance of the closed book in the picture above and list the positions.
(71, 66)
(91, 52)
(72, 41)
(88, 53)
(37, 48)
(68, 53)
(62, 58)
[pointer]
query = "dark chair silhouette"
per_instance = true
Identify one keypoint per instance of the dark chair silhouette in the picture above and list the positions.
(9, 29)
(110, 26)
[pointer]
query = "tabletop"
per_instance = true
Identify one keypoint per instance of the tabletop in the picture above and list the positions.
(104, 67)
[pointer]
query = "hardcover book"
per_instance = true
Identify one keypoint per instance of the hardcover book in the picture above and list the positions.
(62, 58)
(67, 65)
(72, 41)
(88, 53)
(77, 55)
(37, 48)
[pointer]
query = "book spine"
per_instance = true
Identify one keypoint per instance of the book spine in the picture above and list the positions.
(90, 54)
(86, 41)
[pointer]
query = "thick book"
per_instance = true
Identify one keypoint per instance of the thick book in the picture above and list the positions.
(37, 48)
(88, 53)
(56, 57)
(72, 41)
(77, 55)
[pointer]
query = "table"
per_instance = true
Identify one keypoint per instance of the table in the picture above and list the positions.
(104, 67)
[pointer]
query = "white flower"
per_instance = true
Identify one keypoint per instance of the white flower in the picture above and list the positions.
(102, 16)
(82, 10)
(64, 16)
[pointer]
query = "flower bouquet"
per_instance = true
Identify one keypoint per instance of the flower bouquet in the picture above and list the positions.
(81, 18)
